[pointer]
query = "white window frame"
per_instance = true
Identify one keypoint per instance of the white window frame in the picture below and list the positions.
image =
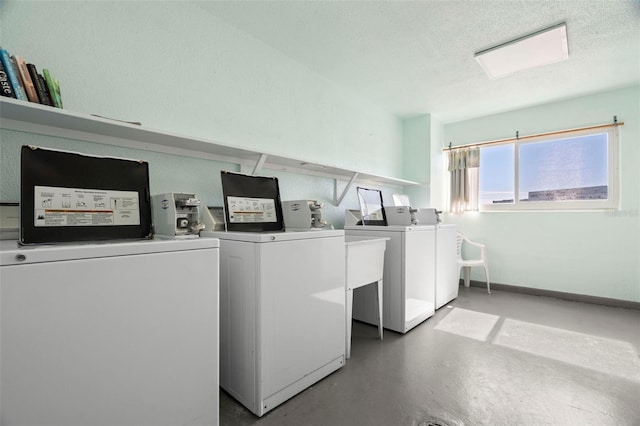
(611, 203)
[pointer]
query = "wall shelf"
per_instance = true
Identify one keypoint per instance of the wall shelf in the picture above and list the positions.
(34, 118)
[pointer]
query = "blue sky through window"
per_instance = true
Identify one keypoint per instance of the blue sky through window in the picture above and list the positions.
(496, 173)
(549, 165)
(569, 163)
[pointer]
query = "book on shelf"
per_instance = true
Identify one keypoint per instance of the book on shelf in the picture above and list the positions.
(12, 74)
(47, 94)
(54, 88)
(40, 84)
(28, 84)
(21, 80)
(5, 84)
(17, 69)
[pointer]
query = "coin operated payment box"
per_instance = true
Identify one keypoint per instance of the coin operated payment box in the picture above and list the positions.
(303, 215)
(176, 215)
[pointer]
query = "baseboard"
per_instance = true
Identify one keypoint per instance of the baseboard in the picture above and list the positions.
(617, 303)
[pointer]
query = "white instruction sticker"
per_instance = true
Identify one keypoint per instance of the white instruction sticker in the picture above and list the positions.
(55, 206)
(246, 210)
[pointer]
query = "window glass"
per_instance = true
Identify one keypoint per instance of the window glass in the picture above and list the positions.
(496, 174)
(565, 169)
(577, 170)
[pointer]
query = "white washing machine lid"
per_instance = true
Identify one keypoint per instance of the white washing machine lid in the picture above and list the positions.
(267, 237)
(11, 253)
(447, 225)
(369, 228)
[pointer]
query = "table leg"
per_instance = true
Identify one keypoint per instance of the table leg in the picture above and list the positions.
(380, 327)
(349, 303)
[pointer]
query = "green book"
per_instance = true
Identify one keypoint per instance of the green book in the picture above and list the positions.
(54, 88)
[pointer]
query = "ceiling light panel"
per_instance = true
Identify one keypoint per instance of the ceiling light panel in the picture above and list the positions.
(533, 50)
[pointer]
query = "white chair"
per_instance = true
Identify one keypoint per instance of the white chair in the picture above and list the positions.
(467, 264)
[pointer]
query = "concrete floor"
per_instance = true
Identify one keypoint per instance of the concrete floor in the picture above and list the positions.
(499, 359)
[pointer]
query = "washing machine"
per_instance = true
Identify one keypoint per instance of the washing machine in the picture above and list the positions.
(282, 313)
(108, 334)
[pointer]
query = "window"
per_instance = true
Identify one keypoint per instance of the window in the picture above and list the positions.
(573, 171)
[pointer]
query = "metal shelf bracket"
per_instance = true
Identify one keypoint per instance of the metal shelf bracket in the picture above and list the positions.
(338, 200)
(259, 164)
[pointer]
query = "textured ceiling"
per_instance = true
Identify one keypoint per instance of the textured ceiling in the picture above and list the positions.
(416, 57)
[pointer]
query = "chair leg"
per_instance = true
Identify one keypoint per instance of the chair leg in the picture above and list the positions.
(467, 275)
(349, 313)
(486, 273)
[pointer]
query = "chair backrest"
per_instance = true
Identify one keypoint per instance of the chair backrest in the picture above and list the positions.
(459, 241)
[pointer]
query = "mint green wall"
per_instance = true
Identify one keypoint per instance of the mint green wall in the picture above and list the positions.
(592, 253)
(416, 145)
(438, 188)
(173, 67)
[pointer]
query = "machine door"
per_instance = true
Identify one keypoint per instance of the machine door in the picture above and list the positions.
(303, 308)
(124, 340)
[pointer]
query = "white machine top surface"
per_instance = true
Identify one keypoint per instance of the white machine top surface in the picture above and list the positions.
(389, 228)
(266, 237)
(447, 225)
(11, 252)
(354, 240)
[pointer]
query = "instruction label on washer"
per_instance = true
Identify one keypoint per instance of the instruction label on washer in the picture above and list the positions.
(55, 206)
(245, 209)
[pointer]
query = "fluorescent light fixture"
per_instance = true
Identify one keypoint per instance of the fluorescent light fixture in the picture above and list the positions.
(543, 47)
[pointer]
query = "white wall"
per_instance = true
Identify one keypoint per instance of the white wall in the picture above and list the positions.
(439, 177)
(592, 253)
(173, 67)
(416, 144)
